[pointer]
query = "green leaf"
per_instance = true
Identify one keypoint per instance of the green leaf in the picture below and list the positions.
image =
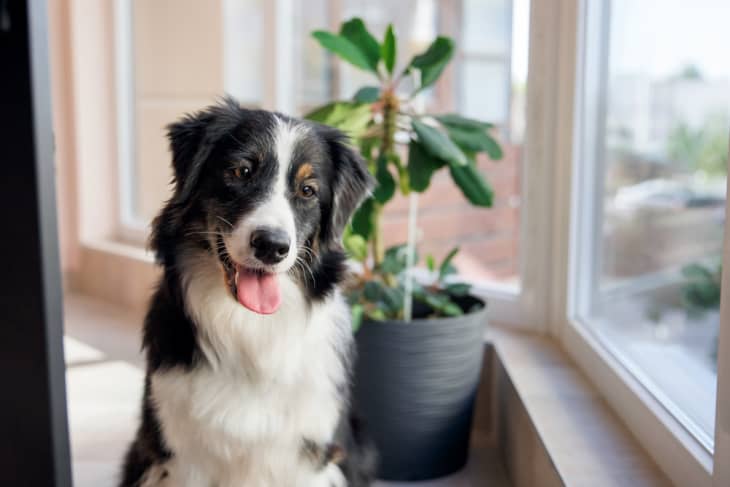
(438, 144)
(472, 184)
(701, 290)
(388, 49)
(387, 298)
(457, 121)
(430, 263)
(377, 315)
(350, 117)
(372, 291)
(447, 262)
(433, 61)
(421, 166)
(367, 144)
(395, 259)
(476, 141)
(386, 184)
(449, 270)
(356, 246)
(434, 299)
(367, 94)
(354, 30)
(356, 312)
(458, 289)
(393, 299)
(494, 150)
(451, 309)
(344, 48)
(439, 302)
(697, 272)
(362, 220)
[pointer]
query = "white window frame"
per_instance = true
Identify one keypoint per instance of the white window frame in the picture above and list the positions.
(721, 472)
(128, 227)
(561, 84)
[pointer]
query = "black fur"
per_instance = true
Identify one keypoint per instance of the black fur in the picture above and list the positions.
(206, 147)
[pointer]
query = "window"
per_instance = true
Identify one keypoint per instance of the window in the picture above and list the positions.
(181, 58)
(172, 59)
(652, 196)
(624, 198)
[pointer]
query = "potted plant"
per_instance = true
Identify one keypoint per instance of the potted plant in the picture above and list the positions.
(420, 342)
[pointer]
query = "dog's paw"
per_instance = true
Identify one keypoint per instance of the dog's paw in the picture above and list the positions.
(321, 455)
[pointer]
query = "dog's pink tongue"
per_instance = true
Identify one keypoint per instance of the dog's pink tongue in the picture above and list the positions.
(258, 292)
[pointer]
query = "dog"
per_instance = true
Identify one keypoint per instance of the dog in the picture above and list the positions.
(248, 339)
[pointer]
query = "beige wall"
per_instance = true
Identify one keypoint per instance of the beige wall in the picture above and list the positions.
(63, 125)
(178, 54)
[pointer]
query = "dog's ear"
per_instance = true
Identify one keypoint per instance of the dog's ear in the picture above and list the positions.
(192, 139)
(351, 184)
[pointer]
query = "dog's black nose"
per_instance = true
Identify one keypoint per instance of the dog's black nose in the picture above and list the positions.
(270, 245)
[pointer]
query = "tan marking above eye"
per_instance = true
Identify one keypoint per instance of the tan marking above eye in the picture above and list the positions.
(305, 171)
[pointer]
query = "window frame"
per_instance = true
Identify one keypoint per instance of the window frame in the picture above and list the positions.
(721, 473)
(565, 34)
(129, 228)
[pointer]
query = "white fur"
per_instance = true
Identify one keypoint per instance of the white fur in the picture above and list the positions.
(271, 381)
(275, 212)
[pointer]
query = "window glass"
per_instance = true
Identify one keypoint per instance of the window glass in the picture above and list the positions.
(661, 167)
(486, 26)
(243, 31)
(485, 90)
(313, 64)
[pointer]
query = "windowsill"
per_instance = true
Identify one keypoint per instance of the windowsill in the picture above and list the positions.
(115, 272)
(552, 426)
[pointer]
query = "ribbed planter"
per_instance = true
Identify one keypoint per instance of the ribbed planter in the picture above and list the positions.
(415, 385)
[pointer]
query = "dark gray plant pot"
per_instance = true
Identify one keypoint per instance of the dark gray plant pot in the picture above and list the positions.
(415, 385)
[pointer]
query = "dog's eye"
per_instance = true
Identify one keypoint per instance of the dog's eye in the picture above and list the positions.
(242, 172)
(307, 191)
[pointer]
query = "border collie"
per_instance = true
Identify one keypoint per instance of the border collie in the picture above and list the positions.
(247, 339)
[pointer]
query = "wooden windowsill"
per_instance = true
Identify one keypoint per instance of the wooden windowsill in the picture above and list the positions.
(550, 424)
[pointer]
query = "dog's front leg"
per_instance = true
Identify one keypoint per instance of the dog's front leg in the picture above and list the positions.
(325, 458)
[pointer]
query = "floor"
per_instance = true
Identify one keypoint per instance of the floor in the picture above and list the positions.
(104, 385)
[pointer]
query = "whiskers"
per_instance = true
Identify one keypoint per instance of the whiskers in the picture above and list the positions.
(225, 221)
(207, 233)
(216, 241)
(303, 264)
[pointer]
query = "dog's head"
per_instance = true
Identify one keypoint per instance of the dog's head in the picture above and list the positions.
(266, 194)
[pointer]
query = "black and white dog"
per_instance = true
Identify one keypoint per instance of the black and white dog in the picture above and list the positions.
(248, 339)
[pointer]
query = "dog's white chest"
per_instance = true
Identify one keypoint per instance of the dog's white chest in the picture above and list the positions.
(272, 381)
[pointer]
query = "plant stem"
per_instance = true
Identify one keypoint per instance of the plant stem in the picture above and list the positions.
(378, 247)
(390, 112)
